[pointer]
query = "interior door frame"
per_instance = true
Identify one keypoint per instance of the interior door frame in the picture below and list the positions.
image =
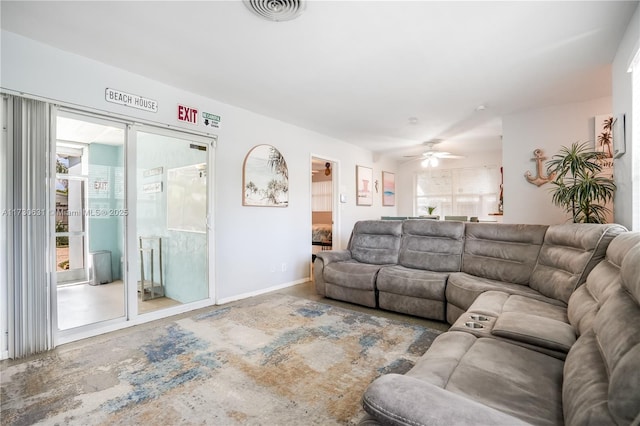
(92, 329)
(132, 239)
(131, 316)
(335, 197)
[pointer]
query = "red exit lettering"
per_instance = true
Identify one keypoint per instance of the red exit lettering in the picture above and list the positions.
(188, 115)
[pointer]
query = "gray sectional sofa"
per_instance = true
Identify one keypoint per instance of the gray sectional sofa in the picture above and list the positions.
(436, 269)
(545, 321)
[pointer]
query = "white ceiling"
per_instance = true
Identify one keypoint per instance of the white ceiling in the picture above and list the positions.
(355, 70)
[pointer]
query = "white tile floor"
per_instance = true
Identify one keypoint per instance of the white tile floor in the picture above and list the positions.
(86, 304)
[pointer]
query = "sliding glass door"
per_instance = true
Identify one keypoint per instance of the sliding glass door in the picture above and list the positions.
(89, 220)
(171, 227)
(105, 223)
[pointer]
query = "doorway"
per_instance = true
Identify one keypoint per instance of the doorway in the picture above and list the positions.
(322, 205)
(171, 223)
(131, 223)
(89, 220)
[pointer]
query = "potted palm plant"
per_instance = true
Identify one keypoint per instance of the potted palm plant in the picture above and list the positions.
(577, 184)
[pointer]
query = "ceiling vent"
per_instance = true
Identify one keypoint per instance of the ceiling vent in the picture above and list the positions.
(276, 10)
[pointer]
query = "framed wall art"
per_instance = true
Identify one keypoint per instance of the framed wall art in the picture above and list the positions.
(265, 178)
(388, 189)
(364, 183)
(603, 135)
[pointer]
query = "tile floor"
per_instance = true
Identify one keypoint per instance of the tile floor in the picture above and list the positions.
(86, 304)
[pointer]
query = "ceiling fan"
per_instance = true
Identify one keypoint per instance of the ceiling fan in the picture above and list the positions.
(431, 157)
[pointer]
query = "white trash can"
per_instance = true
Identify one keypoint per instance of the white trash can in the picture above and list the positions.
(100, 267)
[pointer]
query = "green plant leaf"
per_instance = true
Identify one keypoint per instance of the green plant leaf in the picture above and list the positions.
(577, 187)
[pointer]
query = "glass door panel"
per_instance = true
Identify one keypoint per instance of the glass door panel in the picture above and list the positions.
(89, 220)
(71, 265)
(171, 220)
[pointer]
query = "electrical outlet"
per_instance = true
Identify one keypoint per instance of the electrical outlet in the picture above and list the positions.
(284, 267)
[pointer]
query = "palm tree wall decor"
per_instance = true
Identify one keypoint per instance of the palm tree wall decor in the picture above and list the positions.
(605, 137)
(578, 187)
(265, 178)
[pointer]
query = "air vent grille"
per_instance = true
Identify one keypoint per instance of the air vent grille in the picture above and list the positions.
(276, 10)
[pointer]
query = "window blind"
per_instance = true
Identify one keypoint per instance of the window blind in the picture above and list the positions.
(26, 272)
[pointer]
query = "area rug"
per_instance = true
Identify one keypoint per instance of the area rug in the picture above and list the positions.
(276, 360)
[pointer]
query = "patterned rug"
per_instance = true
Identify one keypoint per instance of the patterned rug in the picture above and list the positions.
(278, 360)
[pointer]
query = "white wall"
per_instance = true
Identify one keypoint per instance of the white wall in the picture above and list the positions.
(250, 241)
(627, 167)
(405, 178)
(548, 129)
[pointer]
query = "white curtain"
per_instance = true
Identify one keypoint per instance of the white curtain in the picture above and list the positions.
(26, 273)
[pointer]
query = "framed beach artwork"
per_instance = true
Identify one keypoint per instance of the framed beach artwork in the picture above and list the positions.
(388, 189)
(364, 183)
(603, 136)
(265, 178)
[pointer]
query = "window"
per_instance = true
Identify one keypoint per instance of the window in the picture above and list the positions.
(458, 192)
(321, 196)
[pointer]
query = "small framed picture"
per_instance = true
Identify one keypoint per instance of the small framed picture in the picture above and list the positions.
(364, 184)
(388, 189)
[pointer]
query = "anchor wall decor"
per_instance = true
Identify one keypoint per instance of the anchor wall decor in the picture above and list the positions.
(540, 179)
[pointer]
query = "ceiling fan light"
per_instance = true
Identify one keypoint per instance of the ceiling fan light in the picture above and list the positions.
(430, 161)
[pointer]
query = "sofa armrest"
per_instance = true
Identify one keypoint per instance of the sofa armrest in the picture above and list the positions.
(330, 256)
(403, 400)
(535, 330)
(323, 258)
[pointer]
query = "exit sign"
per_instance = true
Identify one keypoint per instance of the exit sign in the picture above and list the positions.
(187, 114)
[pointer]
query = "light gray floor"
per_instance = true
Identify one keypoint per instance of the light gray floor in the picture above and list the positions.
(305, 290)
(84, 304)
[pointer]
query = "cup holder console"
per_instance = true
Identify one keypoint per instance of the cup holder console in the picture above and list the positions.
(473, 324)
(478, 317)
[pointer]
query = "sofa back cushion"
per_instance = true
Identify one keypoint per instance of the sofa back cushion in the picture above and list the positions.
(502, 252)
(605, 277)
(376, 241)
(602, 370)
(432, 245)
(569, 252)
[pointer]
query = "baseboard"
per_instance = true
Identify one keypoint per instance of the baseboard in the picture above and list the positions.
(262, 291)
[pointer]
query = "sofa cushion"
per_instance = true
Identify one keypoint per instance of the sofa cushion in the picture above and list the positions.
(412, 282)
(583, 303)
(569, 252)
(502, 252)
(498, 374)
(412, 291)
(463, 289)
(376, 241)
(352, 274)
(535, 330)
(431, 245)
(494, 303)
(602, 370)
(394, 399)
(601, 282)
